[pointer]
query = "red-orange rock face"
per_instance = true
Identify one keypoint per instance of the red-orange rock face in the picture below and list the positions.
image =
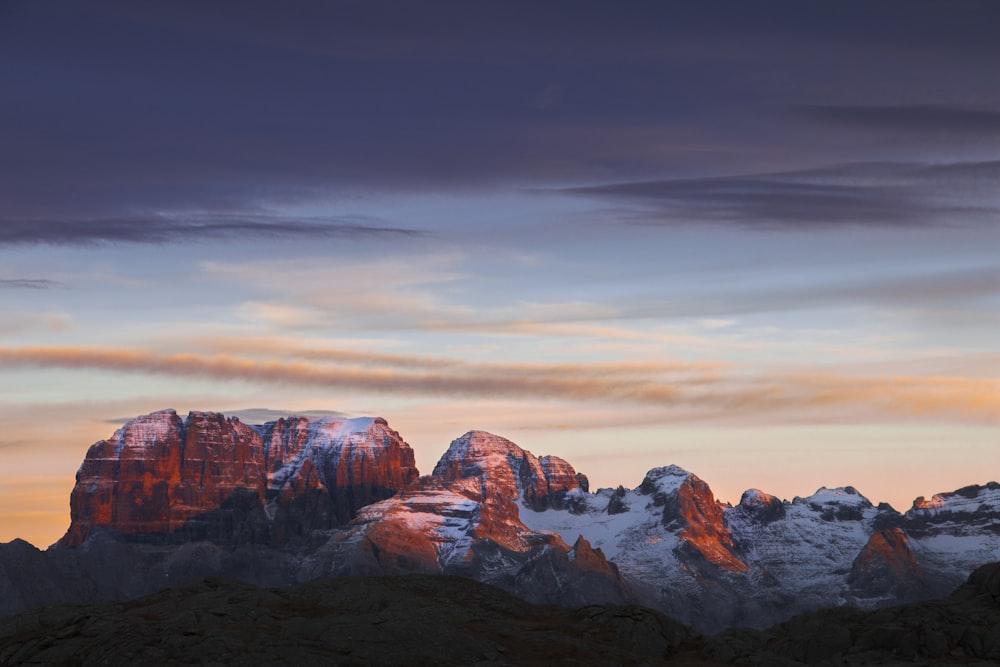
(503, 469)
(159, 472)
(470, 503)
(690, 506)
(465, 519)
(886, 564)
(705, 529)
(353, 462)
(587, 558)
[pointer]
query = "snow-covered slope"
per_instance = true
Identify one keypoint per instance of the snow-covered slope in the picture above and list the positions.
(953, 533)
(768, 559)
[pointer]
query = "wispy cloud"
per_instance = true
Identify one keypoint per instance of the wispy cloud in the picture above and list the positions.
(26, 283)
(161, 230)
(19, 322)
(695, 392)
(873, 194)
(279, 347)
(909, 118)
(12, 444)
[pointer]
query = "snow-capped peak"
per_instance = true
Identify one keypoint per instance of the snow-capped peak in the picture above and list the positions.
(753, 497)
(664, 479)
(841, 495)
(146, 430)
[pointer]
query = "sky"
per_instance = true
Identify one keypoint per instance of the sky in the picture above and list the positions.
(759, 239)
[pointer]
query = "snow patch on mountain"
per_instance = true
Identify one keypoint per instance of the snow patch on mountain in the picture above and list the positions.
(145, 431)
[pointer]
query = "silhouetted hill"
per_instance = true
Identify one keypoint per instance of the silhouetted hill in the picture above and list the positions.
(406, 620)
(444, 620)
(963, 629)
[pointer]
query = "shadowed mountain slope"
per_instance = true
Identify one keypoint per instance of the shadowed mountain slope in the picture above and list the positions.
(410, 620)
(962, 629)
(444, 620)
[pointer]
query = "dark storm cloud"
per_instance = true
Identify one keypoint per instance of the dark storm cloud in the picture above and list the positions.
(851, 195)
(159, 230)
(26, 283)
(911, 118)
(116, 107)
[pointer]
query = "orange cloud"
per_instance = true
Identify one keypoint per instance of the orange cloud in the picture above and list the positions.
(706, 389)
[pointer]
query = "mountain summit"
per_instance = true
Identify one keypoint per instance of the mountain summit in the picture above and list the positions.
(160, 477)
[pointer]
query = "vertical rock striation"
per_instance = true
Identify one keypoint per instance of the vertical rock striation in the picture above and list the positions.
(160, 477)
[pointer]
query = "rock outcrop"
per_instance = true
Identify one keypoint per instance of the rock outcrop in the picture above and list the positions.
(760, 507)
(690, 508)
(504, 469)
(160, 477)
(465, 519)
(887, 567)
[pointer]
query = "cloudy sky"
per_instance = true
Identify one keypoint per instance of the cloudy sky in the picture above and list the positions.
(756, 239)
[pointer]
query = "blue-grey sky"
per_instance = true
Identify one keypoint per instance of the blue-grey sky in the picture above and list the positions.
(757, 239)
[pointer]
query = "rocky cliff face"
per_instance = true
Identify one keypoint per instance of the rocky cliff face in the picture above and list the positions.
(465, 519)
(952, 533)
(211, 477)
(764, 560)
(887, 566)
(322, 471)
(691, 510)
(505, 470)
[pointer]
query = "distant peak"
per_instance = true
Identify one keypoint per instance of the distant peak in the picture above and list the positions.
(757, 497)
(157, 416)
(666, 479)
(667, 471)
(921, 503)
(485, 437)
(481, 443)
(841, 495)
(966, 495)
(761, 506)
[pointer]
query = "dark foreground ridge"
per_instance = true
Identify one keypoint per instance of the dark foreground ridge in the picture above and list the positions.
(962, 629)
(404, 620)
(445, 620)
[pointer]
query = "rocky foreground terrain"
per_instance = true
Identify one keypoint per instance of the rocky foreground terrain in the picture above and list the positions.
(442, 620)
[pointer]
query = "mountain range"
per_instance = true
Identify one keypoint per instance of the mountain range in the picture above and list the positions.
(168, 500)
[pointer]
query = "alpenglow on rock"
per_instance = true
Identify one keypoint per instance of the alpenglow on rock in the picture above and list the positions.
(464, 519)
(501, 467)
(160, 477)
